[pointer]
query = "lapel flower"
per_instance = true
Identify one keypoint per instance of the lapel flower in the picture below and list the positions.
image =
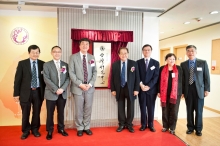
(91, 61)
(63, 69)
(132, 69)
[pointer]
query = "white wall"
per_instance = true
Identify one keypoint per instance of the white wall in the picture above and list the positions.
(151, 34)
(202, 39)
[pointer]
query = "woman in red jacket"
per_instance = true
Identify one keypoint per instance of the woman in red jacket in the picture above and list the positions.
(170, 92)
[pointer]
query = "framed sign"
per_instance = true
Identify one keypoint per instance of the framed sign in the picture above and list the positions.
(102, 53)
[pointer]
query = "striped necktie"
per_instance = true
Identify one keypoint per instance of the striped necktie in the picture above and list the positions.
(191, 73)
(85, 69)
(34, 76)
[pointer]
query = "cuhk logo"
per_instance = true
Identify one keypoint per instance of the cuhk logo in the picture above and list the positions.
(19, 36)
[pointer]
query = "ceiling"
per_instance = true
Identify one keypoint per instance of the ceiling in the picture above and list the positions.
(171, 21)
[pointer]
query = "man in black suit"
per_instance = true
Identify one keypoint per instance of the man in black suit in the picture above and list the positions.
(149, 73)
(196, 86)
(29, 90)
(125, 85)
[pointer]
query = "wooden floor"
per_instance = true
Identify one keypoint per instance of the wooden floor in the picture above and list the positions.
(210, 133)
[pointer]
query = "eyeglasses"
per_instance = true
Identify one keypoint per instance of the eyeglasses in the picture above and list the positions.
(56, 52)
(188, 51)
(122, 54)
(147, 50)
(35, 53)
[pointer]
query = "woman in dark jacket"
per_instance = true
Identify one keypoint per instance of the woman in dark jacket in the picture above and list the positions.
(170, 92)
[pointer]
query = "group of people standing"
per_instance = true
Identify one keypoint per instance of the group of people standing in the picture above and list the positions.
(170, 82)
(36, 80)
(190, 80)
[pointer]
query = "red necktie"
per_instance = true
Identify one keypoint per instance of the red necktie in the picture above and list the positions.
(85, 69)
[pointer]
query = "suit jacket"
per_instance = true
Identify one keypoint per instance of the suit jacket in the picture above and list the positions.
(77, 75)
(23, 76)
(52, 82)
(133, 80)
(202, 78)
(180, 74)
(149, 77)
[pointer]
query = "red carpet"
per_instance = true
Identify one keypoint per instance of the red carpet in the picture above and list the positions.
(104, 136)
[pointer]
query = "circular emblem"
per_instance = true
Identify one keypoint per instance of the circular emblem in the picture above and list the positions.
(102, 48)
(19, 36)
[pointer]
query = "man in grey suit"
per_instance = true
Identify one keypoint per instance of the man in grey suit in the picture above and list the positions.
(83, 72)
(196, 86)
(56, 77)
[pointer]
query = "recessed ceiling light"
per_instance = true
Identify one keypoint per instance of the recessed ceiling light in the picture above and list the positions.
(214, 12)
(186, 23)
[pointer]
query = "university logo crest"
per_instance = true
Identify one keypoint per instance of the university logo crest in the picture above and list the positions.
(19, 36)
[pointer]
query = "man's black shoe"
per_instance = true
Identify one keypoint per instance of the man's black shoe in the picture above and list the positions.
(25, 135)
(63, 132)
(80, 133)
(49, 136)
(120, 128)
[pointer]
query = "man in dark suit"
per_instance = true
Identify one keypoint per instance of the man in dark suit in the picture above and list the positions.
(125, 85)
(196, 86)
(56, 77)
(149, 73)
(29, 90)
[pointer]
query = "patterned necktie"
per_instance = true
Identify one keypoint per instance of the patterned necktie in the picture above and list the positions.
(146, 64)
(191, 73)
(58, 70)
(34, 76)
(85, 68)
(123, 75)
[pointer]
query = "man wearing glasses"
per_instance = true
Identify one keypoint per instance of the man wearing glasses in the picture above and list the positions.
(29, 90)
(56, 77)
(196, 86)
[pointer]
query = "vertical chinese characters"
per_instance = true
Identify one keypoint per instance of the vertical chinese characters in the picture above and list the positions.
(102, 53)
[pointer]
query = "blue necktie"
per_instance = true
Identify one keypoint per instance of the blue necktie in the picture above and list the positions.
(191, 73)
(123, 75)
(34, 76)
(146, 64)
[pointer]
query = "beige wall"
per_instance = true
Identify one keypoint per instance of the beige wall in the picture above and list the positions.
(202, 39)
(42, 32)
